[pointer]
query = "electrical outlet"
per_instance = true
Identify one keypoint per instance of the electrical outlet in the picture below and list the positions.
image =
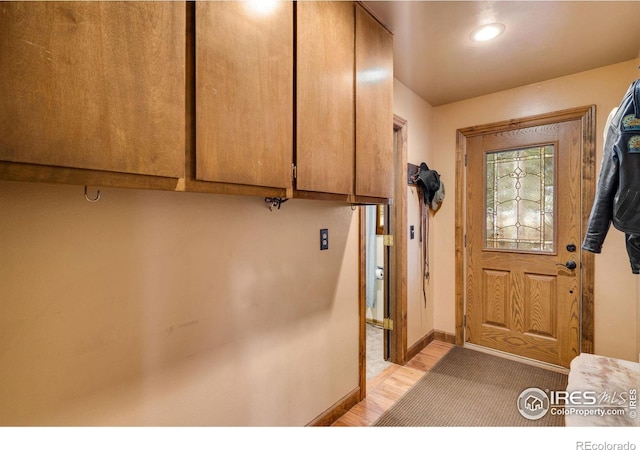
(324, 239)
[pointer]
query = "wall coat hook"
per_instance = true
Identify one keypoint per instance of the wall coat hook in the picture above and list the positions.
(89, 199)
(274, 202)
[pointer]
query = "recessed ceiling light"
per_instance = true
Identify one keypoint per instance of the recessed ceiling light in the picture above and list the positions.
(262, 7)
(487, 32)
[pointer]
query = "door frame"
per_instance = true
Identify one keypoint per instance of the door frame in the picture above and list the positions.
(397, 260)
(586, 115)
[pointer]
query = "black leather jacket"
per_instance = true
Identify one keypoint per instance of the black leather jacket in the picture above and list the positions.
(617, 198)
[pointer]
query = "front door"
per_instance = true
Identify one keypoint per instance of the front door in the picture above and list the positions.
(523, 231)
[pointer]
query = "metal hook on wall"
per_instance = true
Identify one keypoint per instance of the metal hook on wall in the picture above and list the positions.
(275, 202)
(89, 199)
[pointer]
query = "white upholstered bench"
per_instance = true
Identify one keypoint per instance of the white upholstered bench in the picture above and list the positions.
(614, 382)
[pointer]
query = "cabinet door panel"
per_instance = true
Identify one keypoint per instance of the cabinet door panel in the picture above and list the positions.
(374, 107)
(325, 97)
(244, 94)
(93, 85)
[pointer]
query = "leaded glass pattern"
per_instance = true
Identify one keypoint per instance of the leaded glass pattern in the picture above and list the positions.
(519, 199)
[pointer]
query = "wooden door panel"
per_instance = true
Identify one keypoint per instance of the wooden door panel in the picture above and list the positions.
(94, 85)
(244, 94)
(540, 305)
(496, 298)
(522, 301)
(521, 345)
(325, 97)
(518, 303)
(374, 107)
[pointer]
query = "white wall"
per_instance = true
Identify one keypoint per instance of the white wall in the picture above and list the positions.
(166, 308)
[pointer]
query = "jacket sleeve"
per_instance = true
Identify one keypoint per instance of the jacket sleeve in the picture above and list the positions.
(602, 210)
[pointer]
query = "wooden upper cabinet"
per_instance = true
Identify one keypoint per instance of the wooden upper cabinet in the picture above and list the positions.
(244, 93)
(325, 97)
(93, 85)
(374, 107)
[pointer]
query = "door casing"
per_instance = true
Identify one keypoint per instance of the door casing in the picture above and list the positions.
(586, 115)
(397, 261)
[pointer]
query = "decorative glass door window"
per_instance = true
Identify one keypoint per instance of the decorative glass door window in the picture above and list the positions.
(519, 199)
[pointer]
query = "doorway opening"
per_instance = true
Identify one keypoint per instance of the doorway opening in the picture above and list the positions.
(377, 290)
(390, 221)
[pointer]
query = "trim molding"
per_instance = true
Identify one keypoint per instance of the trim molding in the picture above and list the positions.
(433, 335)
(443, 336)
(420, 345)
(362, 306)
(398, 257)
(328, 417)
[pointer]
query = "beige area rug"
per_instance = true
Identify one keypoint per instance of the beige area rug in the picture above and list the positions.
(468, 388)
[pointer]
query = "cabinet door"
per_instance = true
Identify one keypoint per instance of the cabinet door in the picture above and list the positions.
(93, 85)
(325, 97)
(374, 107)
(244, 93)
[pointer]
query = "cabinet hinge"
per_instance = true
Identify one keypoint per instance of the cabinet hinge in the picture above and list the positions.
(294, 171)
(387, 240)
(387, 324)
(465, 241)
(464, 321)
(465, 160)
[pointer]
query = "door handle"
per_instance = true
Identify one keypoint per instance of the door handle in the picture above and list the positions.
(571, 265)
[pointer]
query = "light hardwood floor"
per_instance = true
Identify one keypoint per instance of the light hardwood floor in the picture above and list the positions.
(387, 387)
